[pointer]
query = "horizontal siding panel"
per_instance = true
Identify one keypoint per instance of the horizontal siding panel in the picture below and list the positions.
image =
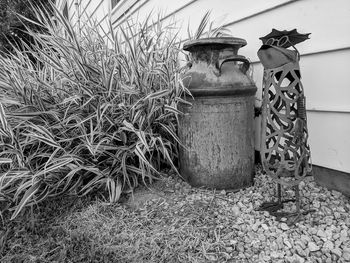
(329, 140)
(327, 21)
(156, 7)
(336, 109)
(258, 72)
(223, 12)
(326, 80)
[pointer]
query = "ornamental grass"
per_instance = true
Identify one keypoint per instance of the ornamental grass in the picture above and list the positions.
(83, 111)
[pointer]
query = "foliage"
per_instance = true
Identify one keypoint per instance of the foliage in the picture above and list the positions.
(207, 29)
(92, 113)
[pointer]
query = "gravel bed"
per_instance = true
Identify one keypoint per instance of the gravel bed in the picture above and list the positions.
(243, 234)
(321, 236)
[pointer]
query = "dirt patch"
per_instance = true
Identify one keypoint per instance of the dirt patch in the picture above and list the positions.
(162, 190)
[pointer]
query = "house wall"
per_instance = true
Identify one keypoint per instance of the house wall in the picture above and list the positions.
(93, 12)
(324, 57)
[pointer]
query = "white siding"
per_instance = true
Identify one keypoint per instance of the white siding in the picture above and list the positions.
(88, 11)
(161, 6)
(324, 62)
(327, 21)
(329, 139)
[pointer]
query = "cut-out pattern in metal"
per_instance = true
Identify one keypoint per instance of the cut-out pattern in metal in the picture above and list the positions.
(285, 153)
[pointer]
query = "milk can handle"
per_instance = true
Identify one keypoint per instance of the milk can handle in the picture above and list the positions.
(244, 67)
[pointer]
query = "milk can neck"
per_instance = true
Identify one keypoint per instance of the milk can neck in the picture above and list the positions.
(210, 50)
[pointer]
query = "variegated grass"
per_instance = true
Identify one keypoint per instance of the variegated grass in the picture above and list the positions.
(91, 112)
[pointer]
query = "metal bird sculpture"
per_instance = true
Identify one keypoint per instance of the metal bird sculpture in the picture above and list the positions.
(285, 153)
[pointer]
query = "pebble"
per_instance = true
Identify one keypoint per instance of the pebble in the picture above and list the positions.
(229, 249)
(321, 233)
(341, 209)
(336, 194)
(262, 238)
(279, 242)
(328, 246)
(266, 214)
(312, 231)
(287, 243)
(313, 247)
(305, 239)
(301, 252)
(240, 248)
(317, 239)
(336, 251)
(284, 226)
(316, 204)
(346, 256)
(346, 249)
(329, 221)
(301, 244)
(211, 257)
(343, 236)
(329, 259)
(329, 234)
(265, 227)
(337, 243)
(255, 226)
(233, 242)
(336, 215)
(295, 259)
(274, 246)
(275, 254)
(236, 211)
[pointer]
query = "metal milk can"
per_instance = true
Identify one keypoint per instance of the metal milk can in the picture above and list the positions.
(217, 130)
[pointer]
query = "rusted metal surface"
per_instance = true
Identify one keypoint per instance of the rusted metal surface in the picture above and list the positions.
(285, 152)
(217, 130)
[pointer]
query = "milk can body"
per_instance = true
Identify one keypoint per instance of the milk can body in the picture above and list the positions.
(217, 130)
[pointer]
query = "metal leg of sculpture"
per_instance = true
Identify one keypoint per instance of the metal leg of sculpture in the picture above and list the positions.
(297, 198)
(295, 216)
(279, 193)
(273, 207)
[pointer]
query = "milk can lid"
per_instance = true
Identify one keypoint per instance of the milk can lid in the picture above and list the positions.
(225, 41)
